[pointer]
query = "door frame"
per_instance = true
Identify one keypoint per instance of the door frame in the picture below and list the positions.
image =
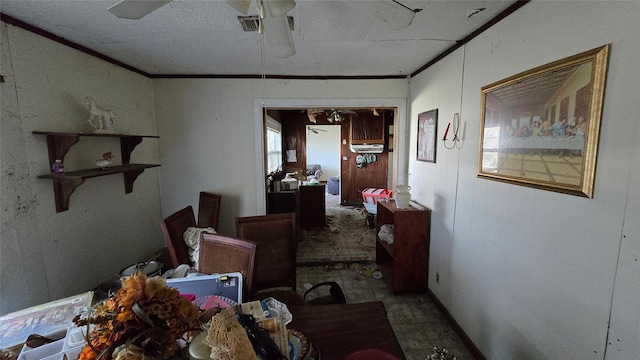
(400, 159)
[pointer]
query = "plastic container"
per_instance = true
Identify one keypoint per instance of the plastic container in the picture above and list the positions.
(69, 346)
(41, 352)
(58, 167)
(372, 195)
(371, 208)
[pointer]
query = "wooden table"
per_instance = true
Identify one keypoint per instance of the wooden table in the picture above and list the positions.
(338, 330)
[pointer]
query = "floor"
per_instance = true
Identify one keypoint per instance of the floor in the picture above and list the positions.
(332, 254)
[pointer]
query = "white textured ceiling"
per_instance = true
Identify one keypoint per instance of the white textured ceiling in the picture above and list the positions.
(195, 37)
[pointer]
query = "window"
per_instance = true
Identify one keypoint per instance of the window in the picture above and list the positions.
(274, 144)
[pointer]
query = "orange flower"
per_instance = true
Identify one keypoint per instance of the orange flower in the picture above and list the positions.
(87, 353)
(132, 290)
(162, 318)
(125, 316)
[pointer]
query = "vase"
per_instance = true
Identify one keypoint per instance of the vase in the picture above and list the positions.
(402, 196)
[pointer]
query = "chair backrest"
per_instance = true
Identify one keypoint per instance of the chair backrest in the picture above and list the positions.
(209, 210)
(173, 228)
(275, 235)
(220, 254)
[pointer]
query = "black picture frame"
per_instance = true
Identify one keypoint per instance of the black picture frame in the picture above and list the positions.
(427, 135)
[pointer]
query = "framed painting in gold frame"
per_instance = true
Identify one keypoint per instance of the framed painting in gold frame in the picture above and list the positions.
(540, 128)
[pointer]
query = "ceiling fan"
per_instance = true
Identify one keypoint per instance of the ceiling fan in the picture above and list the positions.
(333, 115)
(273, 20)
(315, 130)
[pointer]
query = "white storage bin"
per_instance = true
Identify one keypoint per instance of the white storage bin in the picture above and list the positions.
(71, 354)
(41, 352)
(74, 338)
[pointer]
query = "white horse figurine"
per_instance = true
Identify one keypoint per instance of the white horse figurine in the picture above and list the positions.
(102, 120)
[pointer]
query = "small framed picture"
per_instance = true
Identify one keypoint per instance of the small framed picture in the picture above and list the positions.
(427, 131)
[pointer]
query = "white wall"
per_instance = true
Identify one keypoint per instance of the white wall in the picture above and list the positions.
(533, 274)
(324, 148)
(208, 131)
(47, 255)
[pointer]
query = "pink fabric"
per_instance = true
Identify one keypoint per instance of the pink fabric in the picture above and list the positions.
(189, 297)
(215, 301)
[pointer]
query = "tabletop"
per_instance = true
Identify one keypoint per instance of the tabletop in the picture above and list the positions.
(338, 330)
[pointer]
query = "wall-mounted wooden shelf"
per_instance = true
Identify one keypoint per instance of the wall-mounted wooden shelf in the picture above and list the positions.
(59, 143)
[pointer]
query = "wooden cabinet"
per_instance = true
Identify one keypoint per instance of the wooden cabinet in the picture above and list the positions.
(406, 261)
(367, 129)
(59, 143)
(279, 202)
(312, 206)
(308, 202)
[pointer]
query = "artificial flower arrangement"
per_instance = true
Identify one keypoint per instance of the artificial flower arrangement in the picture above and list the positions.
(276, 175)
(440, 354)
(144, 319)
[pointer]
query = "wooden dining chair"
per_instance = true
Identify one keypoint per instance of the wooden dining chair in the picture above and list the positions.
(209, 210)
(173, 228)
(275, 236)
(220, 254)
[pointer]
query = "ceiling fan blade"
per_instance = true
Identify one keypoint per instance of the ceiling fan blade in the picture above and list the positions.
(240, 5)
(395, 15)
(279, 7)
(136, 9)
(279, 38)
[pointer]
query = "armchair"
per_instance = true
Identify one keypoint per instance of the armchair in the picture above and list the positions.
(314, 171)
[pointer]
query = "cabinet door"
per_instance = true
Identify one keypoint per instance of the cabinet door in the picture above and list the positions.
(282, 202)
(367, 129)
(312, 206)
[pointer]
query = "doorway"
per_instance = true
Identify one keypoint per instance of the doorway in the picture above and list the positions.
(398, 173)
(323, 153)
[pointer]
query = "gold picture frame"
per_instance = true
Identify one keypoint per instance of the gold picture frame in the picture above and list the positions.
(540, 128)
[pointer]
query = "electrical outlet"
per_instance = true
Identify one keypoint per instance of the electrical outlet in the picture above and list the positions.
(437, 277)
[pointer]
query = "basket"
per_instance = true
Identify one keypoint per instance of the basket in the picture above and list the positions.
(371, 208)
(372, 195)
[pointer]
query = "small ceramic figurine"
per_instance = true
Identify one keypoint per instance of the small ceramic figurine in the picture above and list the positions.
(105, 161)
(102, 120)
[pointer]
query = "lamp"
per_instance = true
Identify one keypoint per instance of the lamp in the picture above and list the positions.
(334, 117)
(273, 22)
(280, 7)
(275, 7)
